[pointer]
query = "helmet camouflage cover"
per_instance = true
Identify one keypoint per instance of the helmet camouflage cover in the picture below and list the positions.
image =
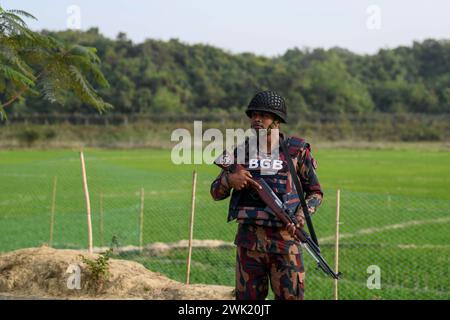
(268, 101)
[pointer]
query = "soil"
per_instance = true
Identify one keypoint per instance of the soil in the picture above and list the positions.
(42, 273)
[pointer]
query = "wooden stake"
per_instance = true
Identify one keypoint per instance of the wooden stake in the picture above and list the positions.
(141, 222)
(52, 216)
(336, 253)
(191, 226)
(101, 221)
(389, 202)
(88, 203)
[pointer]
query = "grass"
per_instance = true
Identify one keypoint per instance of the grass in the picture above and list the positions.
(395, 207)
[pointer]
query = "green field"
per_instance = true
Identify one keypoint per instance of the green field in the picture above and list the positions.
(395, 213)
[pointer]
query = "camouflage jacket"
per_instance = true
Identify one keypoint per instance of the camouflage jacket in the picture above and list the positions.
(259, 230)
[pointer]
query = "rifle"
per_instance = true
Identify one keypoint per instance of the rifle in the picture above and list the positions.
(276, 207)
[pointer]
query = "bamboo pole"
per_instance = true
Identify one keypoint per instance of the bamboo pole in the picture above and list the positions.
(141, 222)
(336, 254)
(52, 215)
(101, 221)
(88, 203)
(191, 226)
(389, 201)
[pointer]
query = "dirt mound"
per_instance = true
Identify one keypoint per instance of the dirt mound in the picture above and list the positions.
(43, 272)
(158, 248)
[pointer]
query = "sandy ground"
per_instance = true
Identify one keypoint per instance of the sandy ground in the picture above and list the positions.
(158, 248)
(42, 273)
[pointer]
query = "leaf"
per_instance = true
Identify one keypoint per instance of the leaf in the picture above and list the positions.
(12, 57)
(48, 91)
(87, 52)
(22, 13)
(16, 76)
(3, 115)
(27, 58)
(88, 68)
(86, 89)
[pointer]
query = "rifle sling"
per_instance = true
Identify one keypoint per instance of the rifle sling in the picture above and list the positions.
(300, 193)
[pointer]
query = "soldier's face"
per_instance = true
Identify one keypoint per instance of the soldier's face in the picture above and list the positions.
(261, 120)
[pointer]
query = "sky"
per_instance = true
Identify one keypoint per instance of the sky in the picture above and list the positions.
(260, 26)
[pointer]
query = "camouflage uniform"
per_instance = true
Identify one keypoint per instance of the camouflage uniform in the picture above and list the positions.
(265, 249)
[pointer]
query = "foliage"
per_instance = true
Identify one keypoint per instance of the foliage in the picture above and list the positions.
(98, 269)
(175, 78)
(39, 64)
(172, 77)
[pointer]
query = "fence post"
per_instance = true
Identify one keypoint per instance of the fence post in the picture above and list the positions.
(102, 244)
(336, 254)
(389, 201)
(52, 215)
(191, 226)
(88, 203)
(141, 222)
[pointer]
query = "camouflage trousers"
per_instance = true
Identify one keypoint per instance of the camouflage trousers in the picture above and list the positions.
(254, 269)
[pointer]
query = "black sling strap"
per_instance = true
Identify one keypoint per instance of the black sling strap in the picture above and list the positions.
(300, 193)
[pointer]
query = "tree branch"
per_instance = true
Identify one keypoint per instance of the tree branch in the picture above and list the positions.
(17, 96)
(24, 89)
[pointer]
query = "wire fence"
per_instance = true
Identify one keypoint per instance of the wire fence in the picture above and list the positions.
(132, 129)
(391, 247)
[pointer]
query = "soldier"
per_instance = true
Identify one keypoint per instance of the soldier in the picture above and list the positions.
(267, 249)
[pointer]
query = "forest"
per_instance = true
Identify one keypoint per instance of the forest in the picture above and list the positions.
(172, 77)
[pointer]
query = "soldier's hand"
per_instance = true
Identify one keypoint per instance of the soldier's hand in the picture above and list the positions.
(300, 217)
(292, 228)
(241, 179)
(301, 221)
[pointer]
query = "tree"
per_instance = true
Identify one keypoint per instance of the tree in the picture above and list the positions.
(330, 88)
(35, 63)
(166, 102)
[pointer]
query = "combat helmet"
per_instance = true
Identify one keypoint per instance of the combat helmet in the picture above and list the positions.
(268, 101)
